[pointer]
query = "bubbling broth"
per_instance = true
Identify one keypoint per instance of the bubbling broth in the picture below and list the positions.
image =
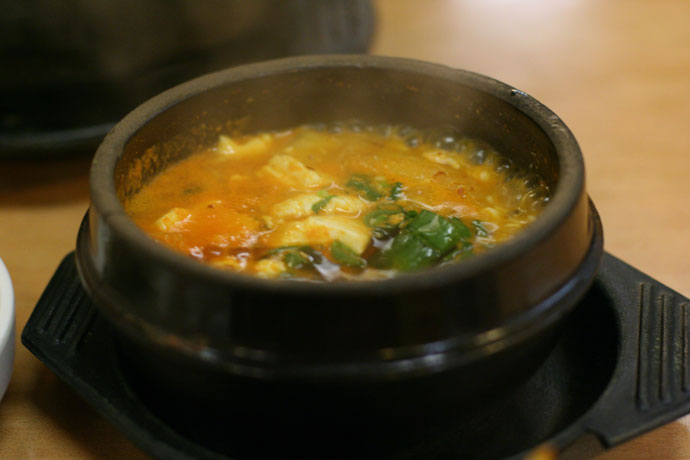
(335, 202)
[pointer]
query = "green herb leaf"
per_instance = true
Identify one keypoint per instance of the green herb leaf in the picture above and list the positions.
(410, 251)
(295, 260)
(275, 251)
(425, 240)
(440, 233)
(297, 257)
(344, 255)
(322, 203)
(396, 191)
(479, 229)
(465, 249)
(312, 254)
(381, 216)
(463, 230)
(362, 182)
(386, 220)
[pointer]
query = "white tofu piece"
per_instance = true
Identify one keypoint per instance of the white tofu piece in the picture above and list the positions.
(345, 204)
(230, 262)
(323, 230)
(443, 158)
(295, 207)
(292, 172)
(269, 268)
(301, 206)
(255, 145)
(226, 145)
(170, 219)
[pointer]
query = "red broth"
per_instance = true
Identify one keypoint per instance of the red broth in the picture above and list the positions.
(326, 204)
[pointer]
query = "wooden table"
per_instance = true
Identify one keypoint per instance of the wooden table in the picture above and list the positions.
(617, 72)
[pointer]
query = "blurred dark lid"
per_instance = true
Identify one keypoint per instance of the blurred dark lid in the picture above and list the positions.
(71, 69)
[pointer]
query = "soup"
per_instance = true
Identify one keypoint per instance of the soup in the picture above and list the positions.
(335, 202)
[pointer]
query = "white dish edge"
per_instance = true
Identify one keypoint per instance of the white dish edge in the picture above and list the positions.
(6, 328)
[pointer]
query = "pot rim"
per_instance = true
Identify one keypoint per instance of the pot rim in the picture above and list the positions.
(390, 363)
(566, 195)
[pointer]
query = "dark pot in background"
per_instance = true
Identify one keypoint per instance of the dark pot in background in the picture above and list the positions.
(71, 69)
(415, 341)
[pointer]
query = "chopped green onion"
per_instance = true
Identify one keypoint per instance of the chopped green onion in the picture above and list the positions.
(295, 260)
(278, 250)
(297, 257)
(479, 229)
(396, 191)
(464, 250)
(375, 190)
(344, 255)
(380, 217)
(465, 233)
(410, 251)
(426, 239)
(386, 220)
(440, 233)
(362, 183)
(313, 255)
(322, 203)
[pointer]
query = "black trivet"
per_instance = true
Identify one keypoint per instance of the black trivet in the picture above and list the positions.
(621, 368)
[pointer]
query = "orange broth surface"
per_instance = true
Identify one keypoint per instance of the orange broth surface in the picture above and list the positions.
(327, 204)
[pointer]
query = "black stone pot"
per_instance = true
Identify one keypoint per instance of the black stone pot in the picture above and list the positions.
(455, 332)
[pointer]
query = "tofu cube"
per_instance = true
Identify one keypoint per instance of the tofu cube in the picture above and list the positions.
(292, 172)
(230, 262)
(269, 268)
(168, 221)
(323, 230)
(301, 206)
(256, 145)
(345, 204)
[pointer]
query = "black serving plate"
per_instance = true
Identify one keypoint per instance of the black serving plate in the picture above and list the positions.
(620, 368)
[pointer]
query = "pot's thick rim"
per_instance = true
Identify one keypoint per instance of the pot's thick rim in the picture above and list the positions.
(570, 188)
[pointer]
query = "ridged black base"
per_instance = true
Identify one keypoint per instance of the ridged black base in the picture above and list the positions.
(620, 368)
